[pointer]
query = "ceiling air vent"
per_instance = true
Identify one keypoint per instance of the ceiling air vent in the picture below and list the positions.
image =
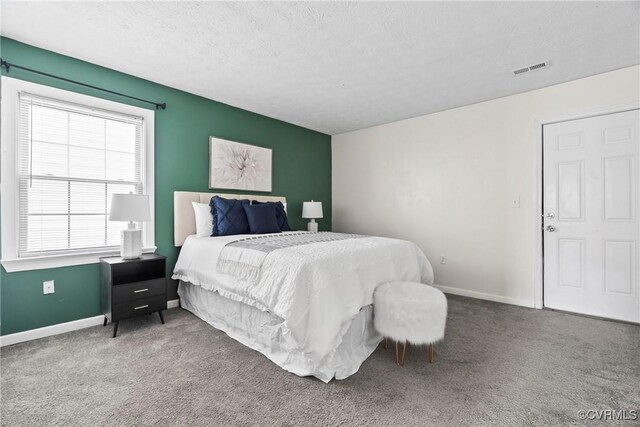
(533, 67)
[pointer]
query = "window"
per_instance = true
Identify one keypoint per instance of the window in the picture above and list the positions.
(72, 154)
(72, 159)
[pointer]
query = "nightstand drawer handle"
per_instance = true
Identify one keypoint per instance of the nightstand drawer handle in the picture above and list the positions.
(142, 306)
(141, 290)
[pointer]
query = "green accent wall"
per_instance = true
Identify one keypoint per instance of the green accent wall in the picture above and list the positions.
(301, 171)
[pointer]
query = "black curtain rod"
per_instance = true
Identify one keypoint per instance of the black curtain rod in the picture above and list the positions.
(7, 66)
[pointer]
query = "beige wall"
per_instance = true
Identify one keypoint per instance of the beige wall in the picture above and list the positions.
(445, 181)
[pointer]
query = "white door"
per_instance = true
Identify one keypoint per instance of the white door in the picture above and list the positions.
(590, 207)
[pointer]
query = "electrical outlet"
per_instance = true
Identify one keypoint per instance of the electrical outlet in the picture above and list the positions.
(48, 287)
(443, 259)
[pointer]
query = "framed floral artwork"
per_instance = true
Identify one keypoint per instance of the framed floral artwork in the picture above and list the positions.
(237, 166)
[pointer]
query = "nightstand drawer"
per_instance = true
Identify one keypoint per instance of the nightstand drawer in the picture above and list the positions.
(138, 307)
(138, 290)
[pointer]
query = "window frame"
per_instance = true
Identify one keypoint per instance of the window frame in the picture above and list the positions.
(9, 201)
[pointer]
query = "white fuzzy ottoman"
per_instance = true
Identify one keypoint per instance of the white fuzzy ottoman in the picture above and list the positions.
(410, 312)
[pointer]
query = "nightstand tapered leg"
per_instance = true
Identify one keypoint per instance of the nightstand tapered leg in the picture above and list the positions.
(105, 321)
(115, 329)
(161, 318)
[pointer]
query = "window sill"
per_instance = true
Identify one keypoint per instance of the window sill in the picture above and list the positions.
(55, 261)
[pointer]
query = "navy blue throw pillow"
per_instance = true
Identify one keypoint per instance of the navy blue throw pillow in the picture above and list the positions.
(281, 214)
(212, 207)
(228, 216)
(262, 218)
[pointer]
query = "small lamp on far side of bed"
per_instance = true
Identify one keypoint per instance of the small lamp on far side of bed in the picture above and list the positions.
(312, 210)
(132, 208)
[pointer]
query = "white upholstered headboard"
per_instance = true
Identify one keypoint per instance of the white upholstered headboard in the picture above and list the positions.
(184, 220)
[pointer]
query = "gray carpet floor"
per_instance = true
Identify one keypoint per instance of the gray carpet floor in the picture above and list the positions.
(499, 365)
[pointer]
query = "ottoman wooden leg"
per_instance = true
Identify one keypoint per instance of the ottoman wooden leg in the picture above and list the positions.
(400, 360)
(386, 344)
(431, 353)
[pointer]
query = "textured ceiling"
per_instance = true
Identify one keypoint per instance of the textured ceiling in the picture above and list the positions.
(338, 66)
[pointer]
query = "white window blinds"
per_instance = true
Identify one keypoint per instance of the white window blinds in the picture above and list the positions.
(72, 159)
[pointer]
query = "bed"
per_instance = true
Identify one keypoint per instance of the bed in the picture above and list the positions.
(301, 299)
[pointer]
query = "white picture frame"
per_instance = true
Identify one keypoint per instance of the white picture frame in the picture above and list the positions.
(238, 166)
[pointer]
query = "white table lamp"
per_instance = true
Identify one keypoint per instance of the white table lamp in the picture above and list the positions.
(130, 207)
(312, 210)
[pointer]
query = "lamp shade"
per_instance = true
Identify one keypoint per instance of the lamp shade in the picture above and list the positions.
(312, 209)
(129, 207)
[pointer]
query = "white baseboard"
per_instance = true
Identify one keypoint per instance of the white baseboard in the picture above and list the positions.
(61, 328)
(48, 331)
(485, 296)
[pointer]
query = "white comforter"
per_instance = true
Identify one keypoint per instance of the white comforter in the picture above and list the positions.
(316, 289)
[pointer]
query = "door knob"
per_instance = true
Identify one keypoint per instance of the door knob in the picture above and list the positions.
(550, 215)
(551, 228)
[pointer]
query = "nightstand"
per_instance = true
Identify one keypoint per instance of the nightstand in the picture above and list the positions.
(133, 287)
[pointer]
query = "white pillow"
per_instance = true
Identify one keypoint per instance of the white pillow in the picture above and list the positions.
(204, 219)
